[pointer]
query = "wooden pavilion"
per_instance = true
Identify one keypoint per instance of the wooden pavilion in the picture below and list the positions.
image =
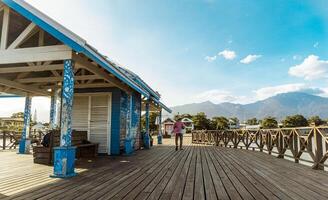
(89, 92)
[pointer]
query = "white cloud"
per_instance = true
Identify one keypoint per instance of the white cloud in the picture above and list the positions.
(267, 92)
(250, 58)
(311, 68)
(220, 96)
(315, 45)
(227, 54)
(297, 57)
(210, 58)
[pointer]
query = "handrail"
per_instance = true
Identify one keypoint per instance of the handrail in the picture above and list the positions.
(313, 140)
(10, 139)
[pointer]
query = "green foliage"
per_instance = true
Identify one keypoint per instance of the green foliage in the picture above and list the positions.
(220, 123)
(234, 121)
(316, 120)
(17, 115)
(252, 121)
(295, 121)
(269, 122)
(201, 122)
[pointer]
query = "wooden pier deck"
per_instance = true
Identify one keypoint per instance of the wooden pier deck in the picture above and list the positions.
(197, 172)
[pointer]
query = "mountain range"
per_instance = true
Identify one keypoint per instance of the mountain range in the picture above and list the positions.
(278, 106)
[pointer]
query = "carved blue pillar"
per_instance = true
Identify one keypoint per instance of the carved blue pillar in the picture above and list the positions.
(147, 134)
(53, 110)
(24, 144)
(129, 136)
(64, 156)
(159, 137)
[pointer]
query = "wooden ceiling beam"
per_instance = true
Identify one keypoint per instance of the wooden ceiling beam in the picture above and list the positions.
(91, 67)
(5, 28)
(35, 68)
(35, 54)
(24, 87)
(56, 79)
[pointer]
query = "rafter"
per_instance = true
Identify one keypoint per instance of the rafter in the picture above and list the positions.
(5, 27)
(35, 68)
(56, 79)
(28, 32)
(83, 62)
(55, 73)
(24, 87)
(2, 6)
(94, 85)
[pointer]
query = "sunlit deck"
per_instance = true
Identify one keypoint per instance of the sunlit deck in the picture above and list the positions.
(197, 172)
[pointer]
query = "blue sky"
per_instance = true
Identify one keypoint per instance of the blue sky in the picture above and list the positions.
(218, 50)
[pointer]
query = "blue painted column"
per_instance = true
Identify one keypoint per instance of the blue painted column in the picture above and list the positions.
(53, 110)
(160, 136)
(147, 134)
(129, 138)
(24, 144)
(64, 156)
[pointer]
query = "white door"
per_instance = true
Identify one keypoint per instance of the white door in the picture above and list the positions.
(100, 112)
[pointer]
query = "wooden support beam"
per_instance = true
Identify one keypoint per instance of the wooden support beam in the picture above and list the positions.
(35, 54)
(55, 73)
(23, 87)
(35, 68)
(29, 30)
(94, 85)
(5, 27)
(55, 79)
(16, 92)
(2, 6)
(83, 62)
(41, 37)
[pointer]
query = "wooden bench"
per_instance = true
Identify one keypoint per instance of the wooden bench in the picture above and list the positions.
(44, 155)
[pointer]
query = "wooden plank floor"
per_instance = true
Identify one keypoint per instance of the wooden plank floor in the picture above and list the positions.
(197, 172)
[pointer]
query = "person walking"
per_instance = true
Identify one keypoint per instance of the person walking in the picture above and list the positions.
(178, 130)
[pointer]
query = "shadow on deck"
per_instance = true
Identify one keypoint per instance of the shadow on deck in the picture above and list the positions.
(197, 172)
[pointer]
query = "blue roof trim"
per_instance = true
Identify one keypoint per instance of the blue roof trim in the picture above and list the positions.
(71, 43)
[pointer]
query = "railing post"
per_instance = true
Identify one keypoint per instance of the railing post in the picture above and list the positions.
(4, 139)
(64, 156)
(280, 143)
(318, 150)
(295, 146)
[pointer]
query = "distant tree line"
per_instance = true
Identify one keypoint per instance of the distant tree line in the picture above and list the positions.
(201, 121)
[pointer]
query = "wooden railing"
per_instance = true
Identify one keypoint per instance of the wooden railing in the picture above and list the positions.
(9, 139)
(311, 140)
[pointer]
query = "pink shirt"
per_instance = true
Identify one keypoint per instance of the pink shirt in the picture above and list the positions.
(178, 126)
